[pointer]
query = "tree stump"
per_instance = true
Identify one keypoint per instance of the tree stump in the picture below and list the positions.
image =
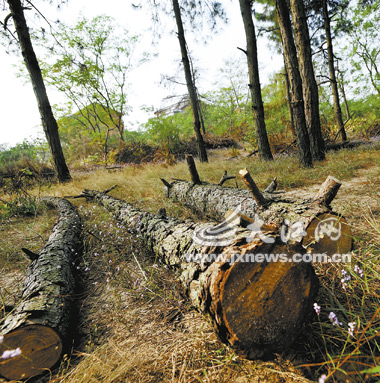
(257, 307)
(40, 324)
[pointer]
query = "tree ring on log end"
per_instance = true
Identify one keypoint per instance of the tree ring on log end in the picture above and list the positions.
(328, 233)
(41, 349)
(265, 304)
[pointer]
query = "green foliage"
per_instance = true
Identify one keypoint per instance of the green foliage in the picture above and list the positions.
(169, 130)
(276, 109)
(84, 137)
(227, 110)
(24, 206)
(228, 113)
(363, 47)
(90, 66)
(24, 150)
(366, 120)
(23, 166)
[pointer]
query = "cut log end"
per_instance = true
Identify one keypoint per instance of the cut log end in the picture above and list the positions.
(41, 349)
(328, 234)
(264, 305)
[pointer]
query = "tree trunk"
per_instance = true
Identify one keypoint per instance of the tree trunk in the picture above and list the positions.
(248, 301)
(290, 53)
(341, 87)
(190, 83)
(333, 81)
(309, 85)
(254, 79)
(289, 98)
(48, 121)
(222, 203)
(40, 324)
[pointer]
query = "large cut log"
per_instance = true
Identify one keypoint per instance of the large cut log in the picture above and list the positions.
(40, 324)
(257, 307)
(280, 211)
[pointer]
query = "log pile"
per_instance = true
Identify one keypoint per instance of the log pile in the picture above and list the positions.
(257, 307)
(40, 324)
(276, 210)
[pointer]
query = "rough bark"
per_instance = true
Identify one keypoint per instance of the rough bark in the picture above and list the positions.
(255, 191)
(290, 53)
(254, 81)
(309, 85)
(333, 81)
(216, 202)
(289, 98)
(48, 121)
(328, 191)
(40, 324)
(341, 87)
(190, 83)
(249, 302)
(193, 170)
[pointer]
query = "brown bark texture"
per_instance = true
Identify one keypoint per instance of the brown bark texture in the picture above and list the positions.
(257, 307)
(333, 80)
(291, 62)
(190, 83)
(309, 85)
(280, 211)
(40, 325)
(254, 81)
(48, 121)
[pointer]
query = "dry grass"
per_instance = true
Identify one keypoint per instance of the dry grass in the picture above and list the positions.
(125, 297)
(140, 184)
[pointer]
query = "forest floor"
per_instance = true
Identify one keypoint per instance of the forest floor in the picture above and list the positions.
(134, 323)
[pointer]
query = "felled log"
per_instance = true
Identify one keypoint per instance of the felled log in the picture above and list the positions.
(276, 210)
(345, 145)
(40, 324)
(257, 307)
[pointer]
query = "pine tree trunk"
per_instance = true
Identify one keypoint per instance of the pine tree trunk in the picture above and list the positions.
(341, 87)
(333, 81)
(221, 203)
(254, 79)
(309, 85)
(290, 53)
(48, 121)
(289, 99)
(248, 301)
(40, 325)
(190, 84)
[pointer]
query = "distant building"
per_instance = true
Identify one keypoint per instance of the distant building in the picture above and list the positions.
(172, 105)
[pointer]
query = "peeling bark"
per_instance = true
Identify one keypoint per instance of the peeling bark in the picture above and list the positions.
(257, 307)
(40, 324)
